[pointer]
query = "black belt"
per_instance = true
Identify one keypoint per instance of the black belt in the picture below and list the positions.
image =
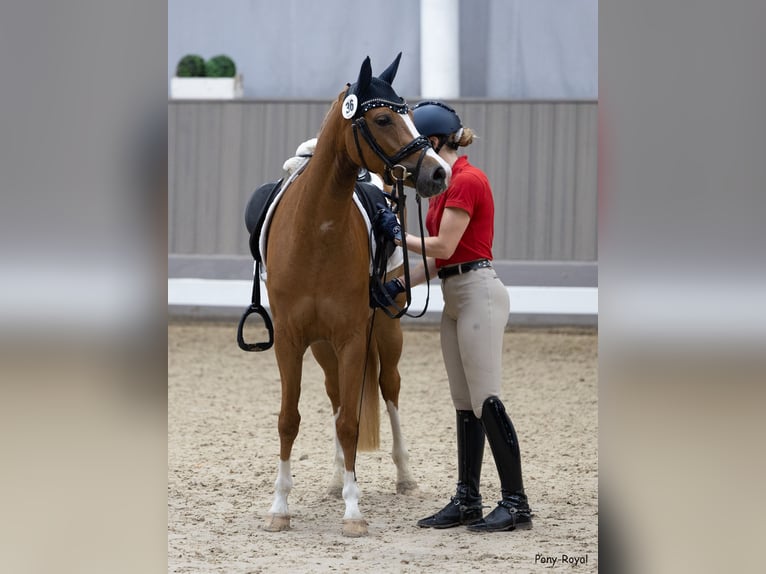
(445, 272)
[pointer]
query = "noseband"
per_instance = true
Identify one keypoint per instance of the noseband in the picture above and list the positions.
(359, 125)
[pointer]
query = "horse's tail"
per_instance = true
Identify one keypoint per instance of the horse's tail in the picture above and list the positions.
(369, 415)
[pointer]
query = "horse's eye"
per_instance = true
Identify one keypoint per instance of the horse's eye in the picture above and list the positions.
(383, 120)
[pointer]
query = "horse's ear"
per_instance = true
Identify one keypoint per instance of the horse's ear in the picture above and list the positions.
(388, 75)
(365, 75)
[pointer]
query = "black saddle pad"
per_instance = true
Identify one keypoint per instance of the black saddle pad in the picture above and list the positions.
(255, 212)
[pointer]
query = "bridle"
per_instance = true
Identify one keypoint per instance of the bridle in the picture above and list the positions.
(359, 125)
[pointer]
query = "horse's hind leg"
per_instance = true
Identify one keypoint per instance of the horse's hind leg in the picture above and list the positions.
(325, 356)
(289, 359)
(389, 340)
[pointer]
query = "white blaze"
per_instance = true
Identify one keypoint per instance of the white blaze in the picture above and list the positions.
(430, 153)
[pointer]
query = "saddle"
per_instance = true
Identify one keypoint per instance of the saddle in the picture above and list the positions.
(368, 196)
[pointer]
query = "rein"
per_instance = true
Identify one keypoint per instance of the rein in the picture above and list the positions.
(400, 209)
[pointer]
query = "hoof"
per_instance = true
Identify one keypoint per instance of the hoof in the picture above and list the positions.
(407, 487)
(354, 527)
(277, 522)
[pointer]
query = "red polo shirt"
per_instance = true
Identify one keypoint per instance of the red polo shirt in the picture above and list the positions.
(470, 191)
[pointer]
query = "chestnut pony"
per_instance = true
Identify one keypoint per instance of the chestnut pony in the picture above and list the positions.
(318, 261)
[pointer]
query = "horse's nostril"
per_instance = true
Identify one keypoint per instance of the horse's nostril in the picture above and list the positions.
(439, 174)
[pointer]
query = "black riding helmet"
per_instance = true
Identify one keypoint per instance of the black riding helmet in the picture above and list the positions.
(434, 118)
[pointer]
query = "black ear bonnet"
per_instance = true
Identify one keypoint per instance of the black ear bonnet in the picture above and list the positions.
(370, 92)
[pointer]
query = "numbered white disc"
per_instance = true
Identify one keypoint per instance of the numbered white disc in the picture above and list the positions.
(349, 106)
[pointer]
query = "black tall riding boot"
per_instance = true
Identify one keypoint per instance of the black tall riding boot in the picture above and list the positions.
(465, 506)
(513, 511)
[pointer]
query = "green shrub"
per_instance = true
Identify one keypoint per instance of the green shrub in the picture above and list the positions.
(220, 67)
(191, 66)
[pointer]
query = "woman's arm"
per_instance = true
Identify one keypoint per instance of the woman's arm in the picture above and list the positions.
(453, 224)
(418, 274)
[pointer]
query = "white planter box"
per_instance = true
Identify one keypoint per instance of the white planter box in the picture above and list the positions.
(206, 88)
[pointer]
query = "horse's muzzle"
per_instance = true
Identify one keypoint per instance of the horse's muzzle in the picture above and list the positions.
(432, 180)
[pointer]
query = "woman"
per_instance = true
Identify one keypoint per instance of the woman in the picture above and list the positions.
(460, 224)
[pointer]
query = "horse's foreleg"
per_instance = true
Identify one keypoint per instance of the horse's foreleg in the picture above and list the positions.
(351, 362)
(289, 359)
(325, 356)
(279, 513)
(354, 523)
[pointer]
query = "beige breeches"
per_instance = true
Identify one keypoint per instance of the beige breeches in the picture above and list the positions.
(476, 308)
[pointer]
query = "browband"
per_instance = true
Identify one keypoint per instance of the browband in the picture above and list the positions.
(399, 108)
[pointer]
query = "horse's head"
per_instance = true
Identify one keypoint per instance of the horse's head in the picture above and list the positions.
(383, 136)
